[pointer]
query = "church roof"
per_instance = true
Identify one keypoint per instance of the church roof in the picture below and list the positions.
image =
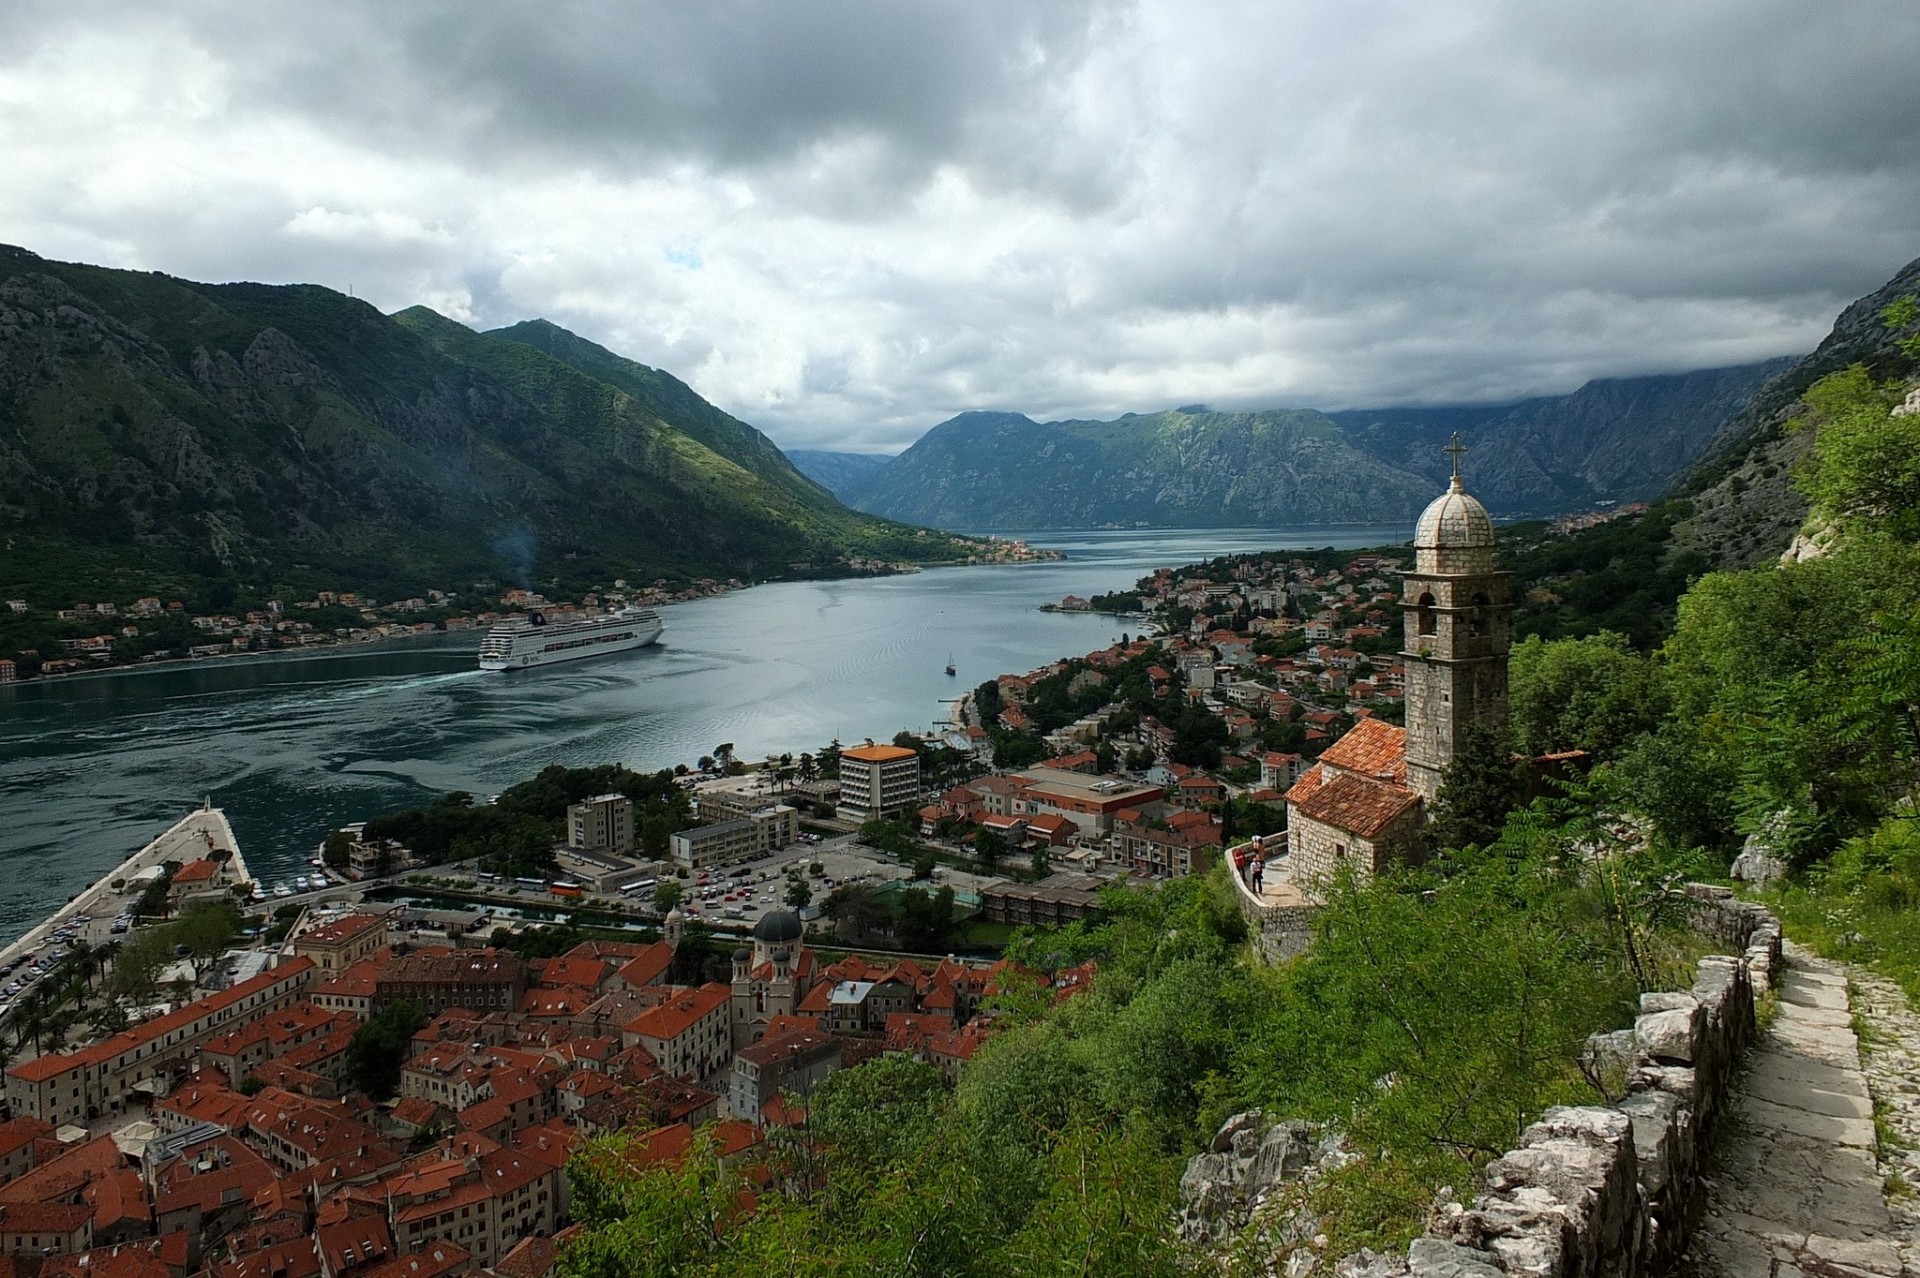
(1455, 520)
(1358, 805)
(1371, 749)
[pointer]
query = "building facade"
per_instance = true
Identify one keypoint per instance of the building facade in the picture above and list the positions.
(603, 823)
(878, 781)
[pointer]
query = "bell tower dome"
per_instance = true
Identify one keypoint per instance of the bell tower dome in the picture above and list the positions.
(1459, 625)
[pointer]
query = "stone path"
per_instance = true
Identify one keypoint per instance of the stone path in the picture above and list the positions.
(1797, 1186)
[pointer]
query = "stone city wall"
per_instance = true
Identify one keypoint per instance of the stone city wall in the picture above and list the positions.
(1604, 1191)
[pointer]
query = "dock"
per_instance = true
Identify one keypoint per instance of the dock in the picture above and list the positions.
(200, 832)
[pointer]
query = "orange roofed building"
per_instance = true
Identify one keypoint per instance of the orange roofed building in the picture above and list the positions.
(878, 781)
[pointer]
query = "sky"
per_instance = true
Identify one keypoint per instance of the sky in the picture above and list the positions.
(846, 220)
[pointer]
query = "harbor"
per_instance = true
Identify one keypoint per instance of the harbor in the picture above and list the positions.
(90, 916)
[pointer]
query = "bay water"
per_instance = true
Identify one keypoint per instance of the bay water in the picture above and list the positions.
(294, 745)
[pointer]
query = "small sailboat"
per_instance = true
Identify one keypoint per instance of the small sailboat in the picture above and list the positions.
(950, 670)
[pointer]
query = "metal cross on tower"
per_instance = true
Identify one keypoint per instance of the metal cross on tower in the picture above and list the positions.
(1455, 450)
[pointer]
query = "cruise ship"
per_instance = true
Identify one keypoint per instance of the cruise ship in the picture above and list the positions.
(534, 641)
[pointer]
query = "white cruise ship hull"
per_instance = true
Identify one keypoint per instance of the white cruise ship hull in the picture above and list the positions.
(525, 647)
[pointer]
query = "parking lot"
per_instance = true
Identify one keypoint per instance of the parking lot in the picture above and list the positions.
(741, 894)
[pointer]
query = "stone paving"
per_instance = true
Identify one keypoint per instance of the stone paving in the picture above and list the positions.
(1797, 1186)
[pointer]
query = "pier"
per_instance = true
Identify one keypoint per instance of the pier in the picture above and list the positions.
(200, 832)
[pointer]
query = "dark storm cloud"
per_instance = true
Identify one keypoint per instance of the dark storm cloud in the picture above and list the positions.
(847, 220)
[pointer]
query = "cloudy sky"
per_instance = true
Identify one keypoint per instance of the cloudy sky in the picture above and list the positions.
(845, 221)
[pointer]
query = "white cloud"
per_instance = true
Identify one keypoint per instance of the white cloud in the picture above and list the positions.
(845, 221)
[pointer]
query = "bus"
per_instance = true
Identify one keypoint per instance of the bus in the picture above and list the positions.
(539, 883)
(642, 885)
(564, 888)
(486, 876)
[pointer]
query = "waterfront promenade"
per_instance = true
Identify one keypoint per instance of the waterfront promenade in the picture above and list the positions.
(200, 832)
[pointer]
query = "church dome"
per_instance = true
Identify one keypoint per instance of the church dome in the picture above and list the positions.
(778, 926)
(1455, 534)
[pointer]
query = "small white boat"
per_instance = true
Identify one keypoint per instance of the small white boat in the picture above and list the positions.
(282, 890)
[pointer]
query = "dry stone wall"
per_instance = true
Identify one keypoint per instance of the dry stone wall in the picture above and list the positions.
(1600, 1191)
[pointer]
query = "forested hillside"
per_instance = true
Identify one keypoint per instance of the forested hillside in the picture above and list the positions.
(158, 434)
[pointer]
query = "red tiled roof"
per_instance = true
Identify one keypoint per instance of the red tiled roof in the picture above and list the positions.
(1358, 805)
(649, 965)
(681, 1012)
(877, 753)
(1371, 749)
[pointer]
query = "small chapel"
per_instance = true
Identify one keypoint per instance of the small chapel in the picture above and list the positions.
(1362, 805)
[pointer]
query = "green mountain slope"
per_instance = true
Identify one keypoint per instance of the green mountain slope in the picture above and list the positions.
(670, 399)
(1173, 469)
(839, 473)
(156, 432)
(1745, 507)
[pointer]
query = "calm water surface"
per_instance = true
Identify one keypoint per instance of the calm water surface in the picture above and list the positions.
(294, 746)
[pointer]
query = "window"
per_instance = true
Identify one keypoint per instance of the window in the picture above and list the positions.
(1427, 622)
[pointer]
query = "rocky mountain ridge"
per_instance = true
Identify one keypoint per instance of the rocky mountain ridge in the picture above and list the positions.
(1613, 440)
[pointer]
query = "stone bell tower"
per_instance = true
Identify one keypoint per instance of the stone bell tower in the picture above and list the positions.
(1459, 625)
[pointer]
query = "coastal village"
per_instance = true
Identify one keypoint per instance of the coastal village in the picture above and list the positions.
(376, 1088)
(44, 637)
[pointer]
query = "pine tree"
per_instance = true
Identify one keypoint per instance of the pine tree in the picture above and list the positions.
(1476, 791)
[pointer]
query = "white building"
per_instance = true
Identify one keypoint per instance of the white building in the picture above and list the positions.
(878, 781)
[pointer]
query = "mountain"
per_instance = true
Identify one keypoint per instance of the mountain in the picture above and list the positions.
(1614, 439)
(1744, 507)
(1172, 469)
(293, 436)
(838, 473)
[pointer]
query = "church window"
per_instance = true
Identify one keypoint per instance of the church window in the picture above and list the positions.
(1428, 622)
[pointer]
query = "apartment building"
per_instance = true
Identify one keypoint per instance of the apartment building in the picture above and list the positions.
(878, 781)
(486, 980)
(765, 830)
(689, 1035)
(603, 823)
(70, 1087)
(338, 945)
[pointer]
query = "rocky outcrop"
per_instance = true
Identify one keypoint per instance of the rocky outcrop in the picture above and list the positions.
(1762, 860)
(1250, 1158)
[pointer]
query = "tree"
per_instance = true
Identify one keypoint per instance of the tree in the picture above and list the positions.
(926, 921)
(799, 894)
(1041, 858)
(337, 848)
(1866, 460)
(379, 1048)
(989, 846)
(206, 928)
(667, 894)
(856, 911)
(923, 864)
(1476, 791)
(1594, 694)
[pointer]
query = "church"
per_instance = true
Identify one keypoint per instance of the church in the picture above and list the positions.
(1362, 805)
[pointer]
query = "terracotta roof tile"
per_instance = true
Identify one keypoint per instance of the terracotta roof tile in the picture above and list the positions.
(1355, 804)
(1371, 749)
